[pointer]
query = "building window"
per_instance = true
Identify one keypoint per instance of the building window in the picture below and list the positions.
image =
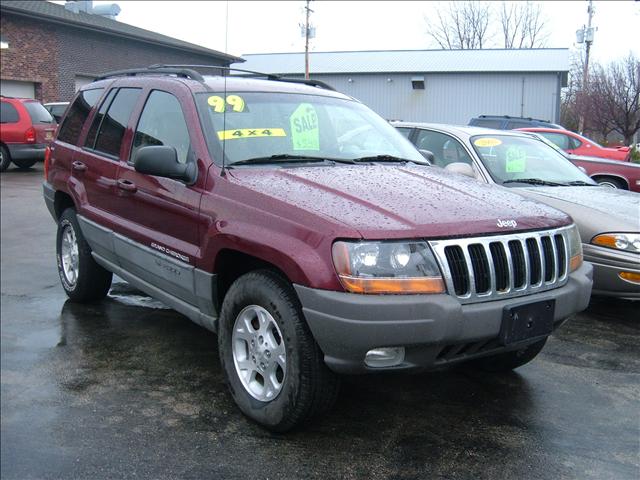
(417, 83)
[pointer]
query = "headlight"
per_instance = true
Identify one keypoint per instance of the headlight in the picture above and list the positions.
(387, 267)
(628, 242)
(575, 249)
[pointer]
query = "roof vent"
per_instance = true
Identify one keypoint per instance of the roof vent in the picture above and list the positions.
(86, 6)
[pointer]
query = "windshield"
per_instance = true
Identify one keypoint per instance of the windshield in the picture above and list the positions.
(38, 113)
(510, 158)
(257, 125)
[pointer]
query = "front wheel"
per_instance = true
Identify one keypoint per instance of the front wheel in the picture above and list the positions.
(611, 182)
(82, 278)
(274, 368)
(503, 362)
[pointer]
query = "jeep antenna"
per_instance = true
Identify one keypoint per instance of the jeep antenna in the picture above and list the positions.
(224, 74)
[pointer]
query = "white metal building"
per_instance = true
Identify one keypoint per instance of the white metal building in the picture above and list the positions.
(444, 86)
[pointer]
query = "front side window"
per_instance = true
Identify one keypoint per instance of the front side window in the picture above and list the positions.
(162, 123)
(114, 123)
(8, 113)
(510, 159)
(445, 148)
(77, 115)
(250, 125)
(558, 138)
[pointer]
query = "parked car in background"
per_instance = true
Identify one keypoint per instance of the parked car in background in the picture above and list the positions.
(56, 109)
(303, 229)
(607, 219)
(609, 173)
(506, 122)
(576, 144)
(26, 128)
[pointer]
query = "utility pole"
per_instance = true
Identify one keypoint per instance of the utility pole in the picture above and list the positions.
(306, 41)
(588, 40)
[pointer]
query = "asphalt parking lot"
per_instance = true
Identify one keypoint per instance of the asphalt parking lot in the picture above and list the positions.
(128, 388)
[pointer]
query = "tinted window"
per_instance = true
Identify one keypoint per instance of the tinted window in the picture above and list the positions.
(162, 123)
(404, 131)
(97, 120)
(486, 123)
(77, 115)
(38, 113)
(559, 139)
(511, 124)
(115, 121)
(8, 113)
(445, 148)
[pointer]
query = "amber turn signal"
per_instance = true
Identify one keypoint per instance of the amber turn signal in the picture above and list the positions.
(392, 285)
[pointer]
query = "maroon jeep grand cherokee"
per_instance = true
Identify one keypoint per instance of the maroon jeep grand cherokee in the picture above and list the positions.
(304, 230)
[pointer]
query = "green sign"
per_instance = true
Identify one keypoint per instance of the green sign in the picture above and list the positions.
(516, 160)
(305, 134)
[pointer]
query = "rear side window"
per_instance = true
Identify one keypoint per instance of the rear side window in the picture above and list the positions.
(404, 131)
(38, 113)
(114, 122)
(162, 123)
(445, 149)
(90, 141)
(8, 113)
(77, 115)
(511, 124)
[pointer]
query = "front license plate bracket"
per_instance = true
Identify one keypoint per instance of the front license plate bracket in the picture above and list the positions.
(528, 320)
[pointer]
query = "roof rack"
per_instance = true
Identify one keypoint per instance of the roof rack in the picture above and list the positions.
(268, 76)
(132, 72)
(510, 116)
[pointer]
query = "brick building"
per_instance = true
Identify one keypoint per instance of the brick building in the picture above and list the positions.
(49, 51)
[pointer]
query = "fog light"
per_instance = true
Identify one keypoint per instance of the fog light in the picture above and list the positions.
(384, 357)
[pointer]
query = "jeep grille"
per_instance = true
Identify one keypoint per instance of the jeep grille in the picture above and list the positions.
(503, 266)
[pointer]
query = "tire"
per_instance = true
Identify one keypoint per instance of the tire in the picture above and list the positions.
(611, 182)
(82, 278)
(5, 158)
(25, 164)
(504, 362)
(263, 304)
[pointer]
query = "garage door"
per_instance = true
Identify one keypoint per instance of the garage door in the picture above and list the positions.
(12, 88)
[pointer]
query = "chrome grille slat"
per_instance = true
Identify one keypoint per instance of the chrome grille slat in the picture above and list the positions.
(510, 259)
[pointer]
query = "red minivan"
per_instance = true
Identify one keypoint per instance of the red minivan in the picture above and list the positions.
(26, 128)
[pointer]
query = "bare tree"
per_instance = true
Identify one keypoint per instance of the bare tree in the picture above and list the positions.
(461, 25)
(523, 25)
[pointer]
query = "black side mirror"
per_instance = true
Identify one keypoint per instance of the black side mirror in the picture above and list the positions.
(162, 161)
(429, 156)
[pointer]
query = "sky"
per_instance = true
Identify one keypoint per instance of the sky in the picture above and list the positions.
(242, 27)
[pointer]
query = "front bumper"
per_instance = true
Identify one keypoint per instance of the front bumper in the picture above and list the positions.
(607, 265)
(434, 329)
(26, 151)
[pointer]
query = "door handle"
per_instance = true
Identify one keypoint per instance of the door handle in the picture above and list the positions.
(127, 185)
(79, 166)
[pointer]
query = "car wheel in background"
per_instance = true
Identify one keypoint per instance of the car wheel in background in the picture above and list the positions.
(82, 278)
(5, 159)
(25, 164)
(611, 182)
(273, 366)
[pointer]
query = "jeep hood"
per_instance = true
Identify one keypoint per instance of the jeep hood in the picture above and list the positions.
(393, 201)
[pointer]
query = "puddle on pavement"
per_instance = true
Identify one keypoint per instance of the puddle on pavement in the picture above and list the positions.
(125, 294)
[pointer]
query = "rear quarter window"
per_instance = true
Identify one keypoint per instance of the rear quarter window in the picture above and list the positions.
(486, 123)
(38, 113)
(8, 113)
(77, 115)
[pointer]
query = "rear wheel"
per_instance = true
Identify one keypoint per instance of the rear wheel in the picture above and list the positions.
(504, 362)
(274, 368)
(24, 164)
(611, 182)
(5, 159)
(82, 278)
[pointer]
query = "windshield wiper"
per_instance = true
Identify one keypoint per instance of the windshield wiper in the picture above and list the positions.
(581, 183)
(386, 158)
(281, 158)
(536, 181)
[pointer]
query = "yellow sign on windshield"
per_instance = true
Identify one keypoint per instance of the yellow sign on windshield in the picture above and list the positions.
(487, 142)
(251, 133)
(219, 104)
